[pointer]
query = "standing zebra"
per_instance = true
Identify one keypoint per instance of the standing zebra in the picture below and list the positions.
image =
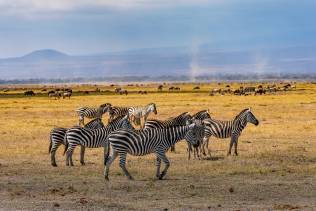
(91, 138)
(57, 137)
(138, 112)
(180, 120)
(143, 142)
(92, 112)
(115, 111)
(201, 115)
(228, 129)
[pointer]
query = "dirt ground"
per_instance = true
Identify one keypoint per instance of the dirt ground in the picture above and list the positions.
(275, 169)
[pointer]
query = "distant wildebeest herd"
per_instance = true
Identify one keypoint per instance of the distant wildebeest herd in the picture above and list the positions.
(119, 137)
(248, 90)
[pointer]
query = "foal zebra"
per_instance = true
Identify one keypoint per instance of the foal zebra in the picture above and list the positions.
(143, 142)
(115, 111)
(57, 137)
(92, 112)
(180, 120)
(138, 112)
(91, 138)
(228, 129)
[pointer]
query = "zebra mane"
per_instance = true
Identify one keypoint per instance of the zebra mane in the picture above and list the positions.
(241, 113)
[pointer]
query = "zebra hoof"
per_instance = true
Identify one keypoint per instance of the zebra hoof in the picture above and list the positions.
(54, 164)
(130, 178)
(106, 178)
(83, 163)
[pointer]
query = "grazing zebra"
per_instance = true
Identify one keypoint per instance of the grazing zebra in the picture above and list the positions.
(67, 94)
(91, 138)
(228, 129)
(143, 142)
(180, 120)
(57, 95)
(115, 111)
(92, 112)
(138, 112)
(57, 137)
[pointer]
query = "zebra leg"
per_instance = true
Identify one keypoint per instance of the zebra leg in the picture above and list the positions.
(123, 165)
(167, 164)
(83, 148)
(53, 153)
(69, 153)
(189, 150)
(108, 164)
(235, 148)
(232, 140)
(206, 144)
(158, 164)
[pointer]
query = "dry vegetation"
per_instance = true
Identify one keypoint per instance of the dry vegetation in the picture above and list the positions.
(275, 169)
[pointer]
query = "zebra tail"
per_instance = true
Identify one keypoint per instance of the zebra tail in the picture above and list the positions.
(50, 144)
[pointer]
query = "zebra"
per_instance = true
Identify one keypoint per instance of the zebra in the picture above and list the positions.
(200, 115)
(91, 138)
(228, 129)
(92, 112)
(180, 120)
(57, 136)
(138, 112)
(115, 111)
(143, 142)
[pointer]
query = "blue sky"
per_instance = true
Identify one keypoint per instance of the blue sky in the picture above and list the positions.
(83, 27)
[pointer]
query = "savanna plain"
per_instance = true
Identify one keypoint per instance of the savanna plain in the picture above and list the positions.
(275, 168)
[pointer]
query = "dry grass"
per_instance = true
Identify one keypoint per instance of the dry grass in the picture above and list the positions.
(275, 170)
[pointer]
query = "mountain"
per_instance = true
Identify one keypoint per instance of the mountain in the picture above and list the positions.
(177, 61)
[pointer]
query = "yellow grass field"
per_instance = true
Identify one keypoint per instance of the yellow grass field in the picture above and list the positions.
(275, 169)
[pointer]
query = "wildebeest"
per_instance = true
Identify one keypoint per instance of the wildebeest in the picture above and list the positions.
(123, 91)
(160, 88)
(67, 94)
(117, 90)
(142, 92)
(57, 95)
(29, 93)
(195, 88)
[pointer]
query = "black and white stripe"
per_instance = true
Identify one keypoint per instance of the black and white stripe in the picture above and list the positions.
(57, 137)
(92, 112)
(228, 129)
(143, 142)
(91, 138)
(180, 120)
(136, 113)
(115, 111)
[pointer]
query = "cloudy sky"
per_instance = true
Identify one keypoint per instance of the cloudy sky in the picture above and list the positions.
(92, 26)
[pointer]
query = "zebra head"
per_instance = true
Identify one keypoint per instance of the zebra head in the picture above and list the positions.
(251, 117)
(152, 108)
(195, 134)
(105, 107)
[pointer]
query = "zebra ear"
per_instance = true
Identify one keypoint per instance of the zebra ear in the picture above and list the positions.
(249, 109)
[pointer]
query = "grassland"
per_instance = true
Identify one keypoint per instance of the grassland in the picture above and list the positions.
(275, 169)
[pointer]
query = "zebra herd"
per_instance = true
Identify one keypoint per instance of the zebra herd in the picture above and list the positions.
(119, 137)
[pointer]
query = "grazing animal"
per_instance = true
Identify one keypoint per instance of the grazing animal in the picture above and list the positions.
(92, 112)
(138, 112)
(92, 138)
(67, 94)
(115, 111)
(56, 95)
(228, 129)
(29, 93)
(195, 88)
(123, 91)
(250, 89)
(160, 88)
(57, 137)
(143, 142)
